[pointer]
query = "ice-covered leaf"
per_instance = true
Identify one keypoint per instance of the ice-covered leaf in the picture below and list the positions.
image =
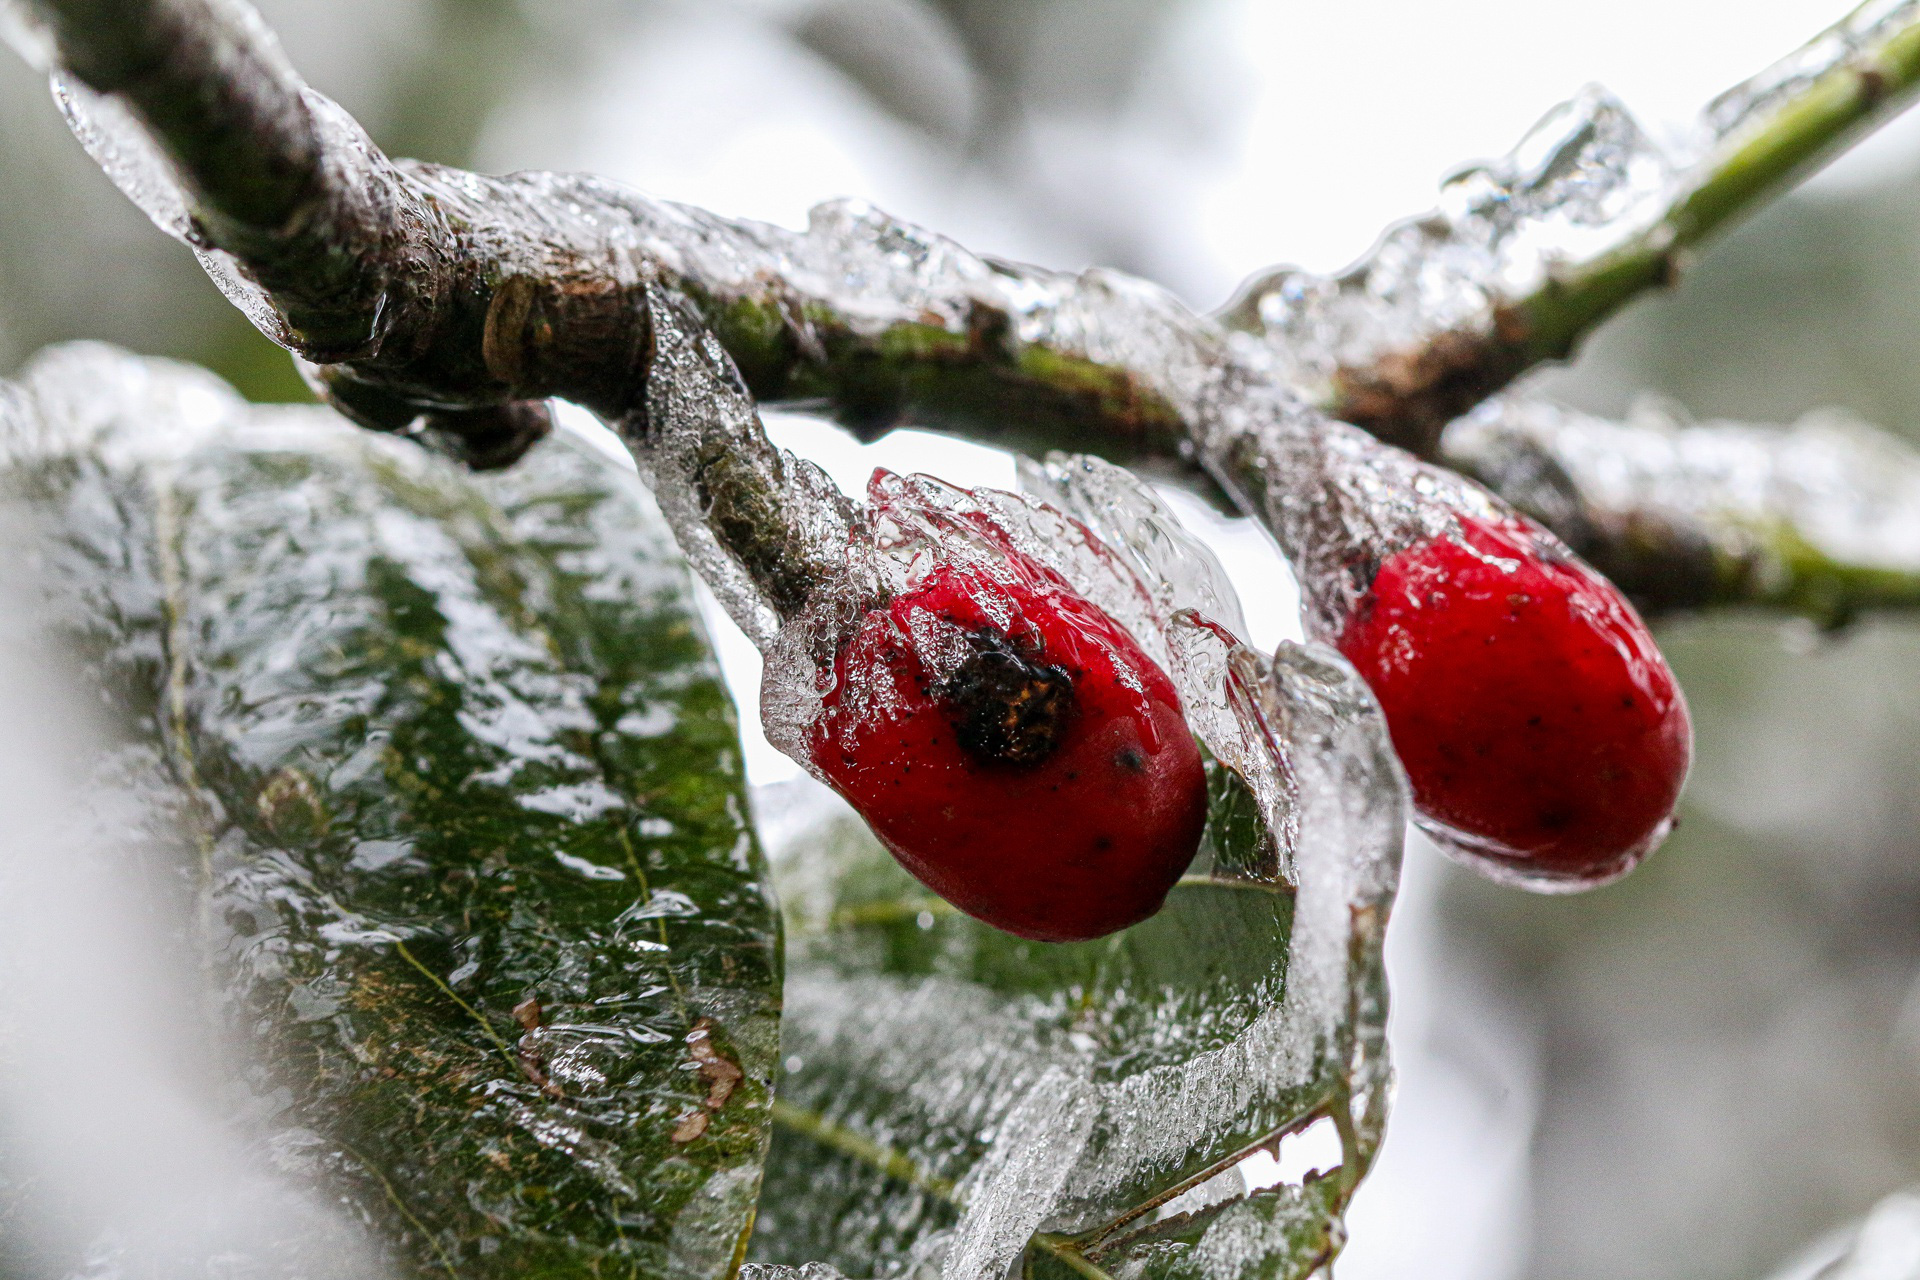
(465, 822)
(954, 1098)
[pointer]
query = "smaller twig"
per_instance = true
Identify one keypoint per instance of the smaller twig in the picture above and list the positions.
(1817, 519)
(1424, 328)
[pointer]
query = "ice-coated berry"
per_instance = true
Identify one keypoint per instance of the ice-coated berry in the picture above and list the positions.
(1540, 727)
(1016, 750)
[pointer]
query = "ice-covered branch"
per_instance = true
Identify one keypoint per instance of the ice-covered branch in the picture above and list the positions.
(449, 305)
(1526, 254)
(1821, 518)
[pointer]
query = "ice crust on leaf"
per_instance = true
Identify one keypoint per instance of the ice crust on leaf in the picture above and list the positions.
(388, 712)
(951, 1089)
(1584, 182)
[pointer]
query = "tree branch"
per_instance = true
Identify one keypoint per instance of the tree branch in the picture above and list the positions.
(1529, 253)
(446, 304)
(1820, 519)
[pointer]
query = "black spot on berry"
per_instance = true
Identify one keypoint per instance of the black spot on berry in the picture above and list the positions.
(1130, 759)
(1007, 707)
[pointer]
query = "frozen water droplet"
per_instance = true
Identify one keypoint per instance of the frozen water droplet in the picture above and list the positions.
(1585, 179)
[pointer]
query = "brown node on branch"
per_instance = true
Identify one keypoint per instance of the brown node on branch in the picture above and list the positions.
(484, 437)
(1408, 397)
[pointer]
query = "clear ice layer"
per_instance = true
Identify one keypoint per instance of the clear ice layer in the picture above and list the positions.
(1584, 182)
(1001, 1106)
(854, 284)
(766, 530)
(1753, 99)
(1829, 485)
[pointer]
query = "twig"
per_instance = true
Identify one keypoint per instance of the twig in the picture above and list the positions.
(1432, 321)
(1821, 519)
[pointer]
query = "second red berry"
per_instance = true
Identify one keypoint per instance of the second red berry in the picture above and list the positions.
(1540, 727)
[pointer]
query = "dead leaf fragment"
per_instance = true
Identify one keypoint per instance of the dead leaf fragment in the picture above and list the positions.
(691, 1126)
(719, 1071)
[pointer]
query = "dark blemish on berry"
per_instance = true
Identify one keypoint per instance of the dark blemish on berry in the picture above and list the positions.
(1129, 758)
(1533, 722)
(1007, 708)
(1102, 844)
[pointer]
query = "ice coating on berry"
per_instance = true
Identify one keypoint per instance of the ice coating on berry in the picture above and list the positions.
(1016, 750)
(1543, 734)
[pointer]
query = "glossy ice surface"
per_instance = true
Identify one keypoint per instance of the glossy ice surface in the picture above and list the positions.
(1543, 734)
(449, 796)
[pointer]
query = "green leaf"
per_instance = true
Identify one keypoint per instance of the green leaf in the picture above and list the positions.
(954, 1097)
(464, 822)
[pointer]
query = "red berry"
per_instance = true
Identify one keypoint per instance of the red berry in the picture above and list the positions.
(1539, 725)
(1047, 783)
